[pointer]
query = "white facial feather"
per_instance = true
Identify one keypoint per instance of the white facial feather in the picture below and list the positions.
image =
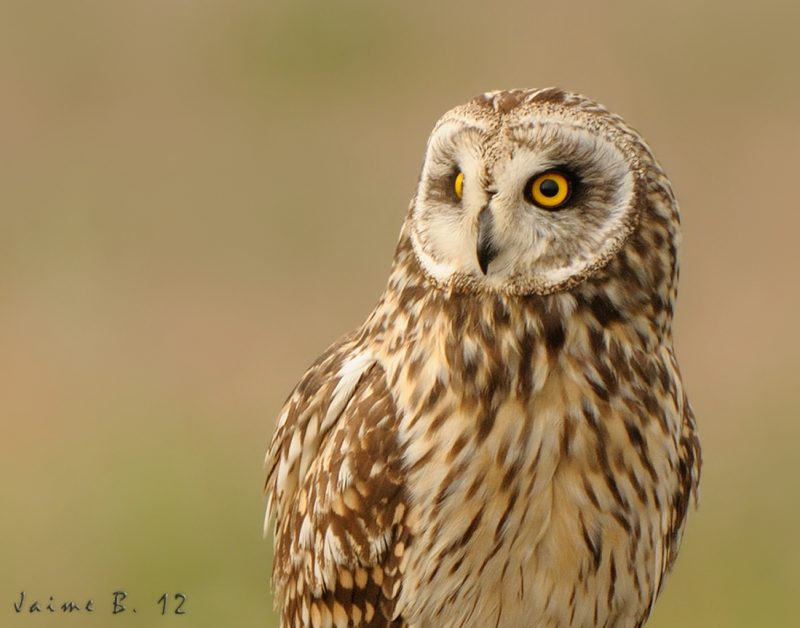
(536, 250)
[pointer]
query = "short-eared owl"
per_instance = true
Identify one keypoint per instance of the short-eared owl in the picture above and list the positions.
(506, 440)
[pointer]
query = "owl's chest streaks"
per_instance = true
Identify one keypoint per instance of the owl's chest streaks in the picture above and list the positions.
(521, 471)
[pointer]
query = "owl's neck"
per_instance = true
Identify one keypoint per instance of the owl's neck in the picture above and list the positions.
(614, 306)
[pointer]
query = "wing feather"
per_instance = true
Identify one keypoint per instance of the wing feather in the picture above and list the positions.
(335, 482)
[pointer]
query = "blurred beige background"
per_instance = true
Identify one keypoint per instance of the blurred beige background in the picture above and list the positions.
(197, 197)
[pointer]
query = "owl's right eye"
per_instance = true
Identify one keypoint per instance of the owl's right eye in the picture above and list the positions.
(458, 185)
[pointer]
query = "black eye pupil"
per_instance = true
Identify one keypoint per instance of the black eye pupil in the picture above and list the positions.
(549, 188)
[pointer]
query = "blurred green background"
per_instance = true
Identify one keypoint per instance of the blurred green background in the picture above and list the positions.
(196, 197)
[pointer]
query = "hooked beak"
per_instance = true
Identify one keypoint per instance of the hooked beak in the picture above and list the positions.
(486, 249)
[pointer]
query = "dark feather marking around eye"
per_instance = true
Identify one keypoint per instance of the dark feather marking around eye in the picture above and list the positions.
(579, 160)
(442, 189)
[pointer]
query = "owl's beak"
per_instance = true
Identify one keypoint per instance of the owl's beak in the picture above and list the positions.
(487, 250)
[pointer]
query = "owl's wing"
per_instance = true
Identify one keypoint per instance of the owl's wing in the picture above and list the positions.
(335, 485)
(688, 466)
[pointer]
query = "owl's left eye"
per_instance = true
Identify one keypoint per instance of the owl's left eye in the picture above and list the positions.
(550, 190)
(458, 185)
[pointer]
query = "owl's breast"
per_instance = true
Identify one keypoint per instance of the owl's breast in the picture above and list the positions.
(527, 502)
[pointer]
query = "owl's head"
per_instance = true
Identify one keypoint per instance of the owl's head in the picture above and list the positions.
(531, 192)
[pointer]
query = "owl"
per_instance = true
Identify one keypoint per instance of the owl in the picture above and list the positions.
(506, 440)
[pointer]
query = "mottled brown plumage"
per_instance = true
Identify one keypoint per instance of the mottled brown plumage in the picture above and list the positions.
(511, 447)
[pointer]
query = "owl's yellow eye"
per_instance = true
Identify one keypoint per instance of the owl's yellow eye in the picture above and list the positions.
(549, 190)
(458, 185)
